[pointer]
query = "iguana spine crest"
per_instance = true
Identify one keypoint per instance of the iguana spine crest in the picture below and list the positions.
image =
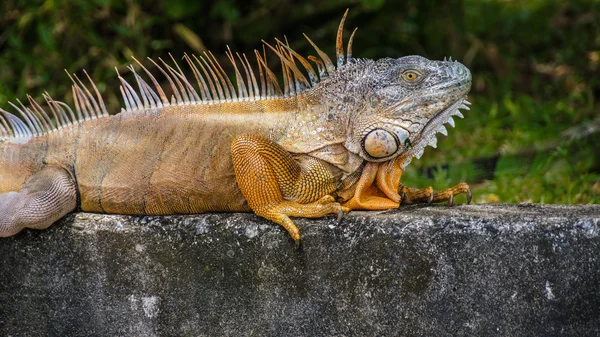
(213, 86)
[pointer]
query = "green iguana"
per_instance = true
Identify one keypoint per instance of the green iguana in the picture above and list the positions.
(332, 140)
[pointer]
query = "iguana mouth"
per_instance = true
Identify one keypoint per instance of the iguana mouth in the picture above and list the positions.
(436, 125)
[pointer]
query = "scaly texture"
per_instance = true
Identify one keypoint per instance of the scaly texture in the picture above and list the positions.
(318, 141)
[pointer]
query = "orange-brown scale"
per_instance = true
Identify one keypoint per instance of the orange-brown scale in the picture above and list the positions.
(175, 161)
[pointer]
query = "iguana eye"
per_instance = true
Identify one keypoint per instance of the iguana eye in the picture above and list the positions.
(410, 75)
(380, 144)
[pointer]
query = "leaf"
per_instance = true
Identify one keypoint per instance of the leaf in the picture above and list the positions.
(190, 37)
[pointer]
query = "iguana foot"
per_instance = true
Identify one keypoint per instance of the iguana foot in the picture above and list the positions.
(426, 195)
(409, 195)
(281, 213)
(46, 197)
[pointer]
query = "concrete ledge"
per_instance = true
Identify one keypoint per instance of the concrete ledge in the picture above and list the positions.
(486, 270)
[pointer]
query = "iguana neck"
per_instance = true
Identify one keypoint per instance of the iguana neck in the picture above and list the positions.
(325, 112)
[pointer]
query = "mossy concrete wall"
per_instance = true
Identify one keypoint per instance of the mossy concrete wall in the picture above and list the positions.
(485, 270)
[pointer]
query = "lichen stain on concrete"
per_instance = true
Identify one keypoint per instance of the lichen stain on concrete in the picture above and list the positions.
(149, 304)
(548, 290)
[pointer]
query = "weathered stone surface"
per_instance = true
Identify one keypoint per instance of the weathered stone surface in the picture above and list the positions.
(486, 270)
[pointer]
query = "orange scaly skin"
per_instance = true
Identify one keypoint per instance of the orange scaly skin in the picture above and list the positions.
(337, 143)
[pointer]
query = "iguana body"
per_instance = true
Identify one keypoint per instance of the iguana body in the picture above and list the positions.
(337, 143)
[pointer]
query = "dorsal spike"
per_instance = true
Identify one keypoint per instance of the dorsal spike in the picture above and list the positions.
(79, 105)
(157, 100)
(320, 66)
(100, 100)
(125, 99)
(60, 119)
(199, 78)
(52, 103)
(229, 84)
(189, 87)
(39, 127)
(80, 96)
(349, 53)
(242, 91)
(339, 42)
(263, 92)
(288, 70)
(19, 129)
(36, 124)
(248, 78)
(185, 98)
(16, 125)
(225, 82)
(41, 113)
(216, 94)
(254, 83)
(60, 108)
(178, 98)
(141, 88)
(80, 117)
(309, 69)
(299, 87)
(286, 75)
(85, 102)
(153, 99)
(134, 99)
(271, 78)
(213, 77)
(326, 60)
(6, 130)
(289, 60)
(89, 98)
(28, 122)
(159, 89)
(64, 106)
(218, 77)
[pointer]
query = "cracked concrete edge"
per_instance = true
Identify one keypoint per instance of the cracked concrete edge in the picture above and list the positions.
(483, 218)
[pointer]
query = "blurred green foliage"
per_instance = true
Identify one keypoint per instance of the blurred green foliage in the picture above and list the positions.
(534, 128)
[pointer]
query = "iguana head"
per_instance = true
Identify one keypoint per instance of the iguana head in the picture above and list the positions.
(407, 101)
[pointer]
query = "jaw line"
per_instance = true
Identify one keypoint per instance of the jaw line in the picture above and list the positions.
(439, 119)
(431, 128)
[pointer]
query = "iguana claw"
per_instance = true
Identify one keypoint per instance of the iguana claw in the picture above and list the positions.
(469, 195)
(339, 216)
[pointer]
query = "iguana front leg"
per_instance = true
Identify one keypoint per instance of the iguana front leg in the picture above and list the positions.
(372, 191)
(277, 186)
(379, 188)
(46, 197)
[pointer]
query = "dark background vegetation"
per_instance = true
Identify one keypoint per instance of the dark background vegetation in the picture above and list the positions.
(532, 134)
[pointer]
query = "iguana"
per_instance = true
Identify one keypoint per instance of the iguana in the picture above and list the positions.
(331, 140)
